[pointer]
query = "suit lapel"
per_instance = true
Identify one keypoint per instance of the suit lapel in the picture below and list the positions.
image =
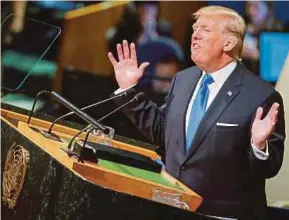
(226, 95)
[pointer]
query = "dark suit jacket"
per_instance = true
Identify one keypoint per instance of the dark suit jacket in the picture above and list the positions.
(220, 165)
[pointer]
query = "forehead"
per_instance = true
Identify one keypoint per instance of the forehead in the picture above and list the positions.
(210, 20)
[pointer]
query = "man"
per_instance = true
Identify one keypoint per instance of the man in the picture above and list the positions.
(165, 70)
(222, 127)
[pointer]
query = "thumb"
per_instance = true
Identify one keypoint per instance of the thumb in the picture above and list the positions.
(143, 66)
(259, 113)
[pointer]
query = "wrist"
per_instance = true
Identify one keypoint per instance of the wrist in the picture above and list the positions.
(259, 144)
(126, 85)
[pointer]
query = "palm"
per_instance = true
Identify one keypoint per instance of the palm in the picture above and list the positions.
(263, 128)
(126, 70)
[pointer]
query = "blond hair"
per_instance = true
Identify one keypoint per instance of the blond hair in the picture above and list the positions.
(235, 24)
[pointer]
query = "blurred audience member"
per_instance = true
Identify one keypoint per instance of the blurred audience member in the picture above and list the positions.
(152, 51)
(260, 18)
(12, 18)
(165, 70)
(141, 24)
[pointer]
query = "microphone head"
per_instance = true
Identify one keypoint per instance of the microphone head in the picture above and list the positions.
(139, 95)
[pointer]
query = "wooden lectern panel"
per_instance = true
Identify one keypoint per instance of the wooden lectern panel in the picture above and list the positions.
(83, 40)
(159, 187)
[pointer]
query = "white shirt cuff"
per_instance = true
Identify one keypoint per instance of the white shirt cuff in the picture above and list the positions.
(120, 90)
(261, 155)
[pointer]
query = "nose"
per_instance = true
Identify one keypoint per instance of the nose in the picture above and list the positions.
(196, 35)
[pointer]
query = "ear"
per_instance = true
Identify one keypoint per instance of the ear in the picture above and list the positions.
(230, 42)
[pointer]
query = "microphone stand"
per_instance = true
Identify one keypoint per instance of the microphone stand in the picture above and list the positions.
(125, 93)
(70, 106)
(69, 151)
(44, 133)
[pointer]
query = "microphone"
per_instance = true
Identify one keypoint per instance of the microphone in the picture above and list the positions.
(135, 98)
(125, 93)
(70, 106)
(94, 151)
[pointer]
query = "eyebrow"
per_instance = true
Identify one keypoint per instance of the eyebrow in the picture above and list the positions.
(202, 26)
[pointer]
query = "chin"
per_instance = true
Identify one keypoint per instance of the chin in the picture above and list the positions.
(195, 58)
(199, 62)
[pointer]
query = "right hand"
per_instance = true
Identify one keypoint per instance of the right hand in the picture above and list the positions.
(127, 72)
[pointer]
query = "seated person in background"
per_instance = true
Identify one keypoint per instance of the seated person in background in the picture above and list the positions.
(152, 51)
(141, 24)
(165, 70)
(260, 18)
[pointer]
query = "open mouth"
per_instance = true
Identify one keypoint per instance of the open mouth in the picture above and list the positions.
(195, 46)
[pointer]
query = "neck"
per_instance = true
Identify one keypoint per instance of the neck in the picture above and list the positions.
(213, 67)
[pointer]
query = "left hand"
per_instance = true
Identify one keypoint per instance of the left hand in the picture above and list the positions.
(263, 128)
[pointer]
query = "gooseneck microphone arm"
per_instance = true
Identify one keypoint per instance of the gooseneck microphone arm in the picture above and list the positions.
(71, 113)
(86, 137)
(34, 104)
(77, 111)
(120, 107)
(136, 98)
(75, 136)
(125, 93)
(70, 106)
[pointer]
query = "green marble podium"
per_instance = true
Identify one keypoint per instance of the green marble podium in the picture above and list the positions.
(40, 181)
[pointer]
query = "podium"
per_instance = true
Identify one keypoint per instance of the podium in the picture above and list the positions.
(40, 181)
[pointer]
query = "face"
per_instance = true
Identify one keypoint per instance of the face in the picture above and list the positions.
(164, 70)
(207, 41)
(148, 13)
(257, 11)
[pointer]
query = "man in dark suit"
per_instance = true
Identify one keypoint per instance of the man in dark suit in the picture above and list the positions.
(222, 128)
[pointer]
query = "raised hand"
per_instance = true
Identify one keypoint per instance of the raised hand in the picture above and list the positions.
(127, 72)
(262, 129)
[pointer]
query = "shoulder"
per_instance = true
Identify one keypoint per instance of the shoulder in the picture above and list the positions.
(188, 75)
(255, 86)
(188, 72)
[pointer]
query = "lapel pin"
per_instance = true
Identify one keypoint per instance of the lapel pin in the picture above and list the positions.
(229, 93)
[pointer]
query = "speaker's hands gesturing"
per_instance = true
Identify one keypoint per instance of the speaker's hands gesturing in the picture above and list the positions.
(263, 128)
(127, 72)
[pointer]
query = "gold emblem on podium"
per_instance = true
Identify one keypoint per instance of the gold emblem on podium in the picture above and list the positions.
(14, 174)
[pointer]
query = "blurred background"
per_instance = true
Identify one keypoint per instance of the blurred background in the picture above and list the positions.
(63, 46)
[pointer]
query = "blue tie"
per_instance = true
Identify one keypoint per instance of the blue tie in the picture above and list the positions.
(198, 109)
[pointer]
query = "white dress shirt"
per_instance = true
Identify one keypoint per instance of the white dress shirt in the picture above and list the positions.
(220, 76)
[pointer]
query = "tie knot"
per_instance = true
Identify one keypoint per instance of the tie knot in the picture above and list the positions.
(208, 79)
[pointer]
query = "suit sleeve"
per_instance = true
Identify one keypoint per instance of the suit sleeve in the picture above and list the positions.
(148, 117)
(270, 167)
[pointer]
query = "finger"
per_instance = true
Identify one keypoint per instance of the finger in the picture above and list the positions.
(273, 108)
(133, 52)
(112, 59)
(275, 117)
(125, 49)
(143, 66)
(259, 113)
(119, 52)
